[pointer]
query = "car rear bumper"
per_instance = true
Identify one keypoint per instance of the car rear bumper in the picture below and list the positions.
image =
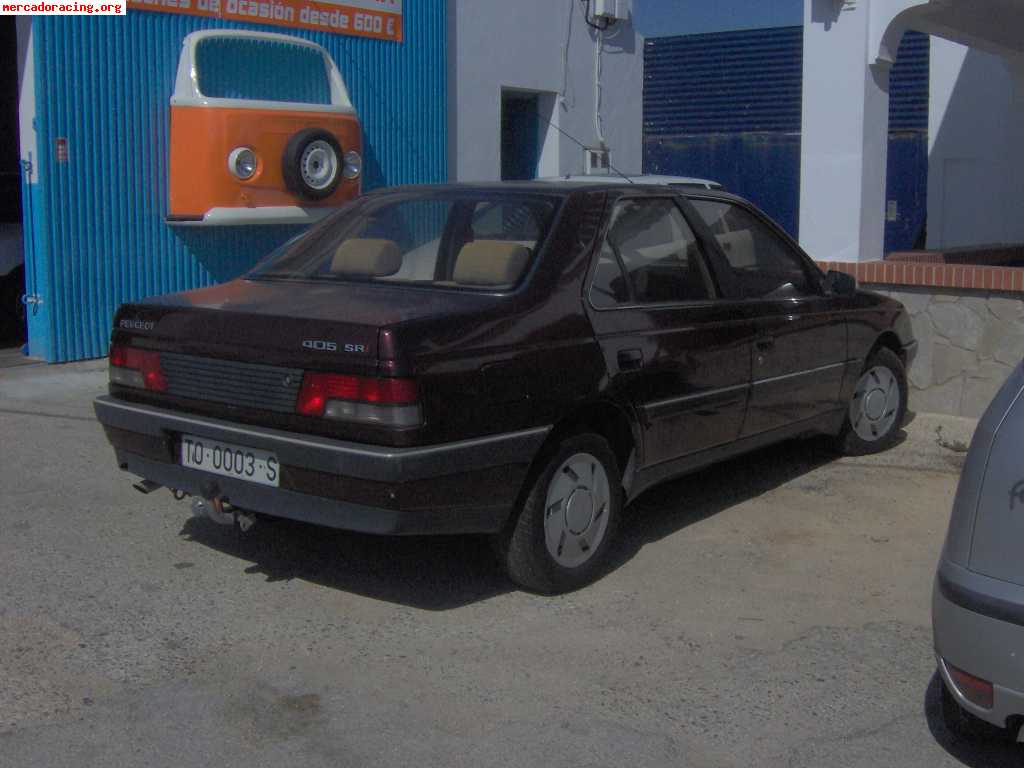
(464, 487)
(978, 626)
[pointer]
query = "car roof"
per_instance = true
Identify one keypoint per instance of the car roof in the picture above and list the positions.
(558, 186)
(639, 178)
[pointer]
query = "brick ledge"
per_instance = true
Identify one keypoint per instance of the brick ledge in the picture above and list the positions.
(955, 276)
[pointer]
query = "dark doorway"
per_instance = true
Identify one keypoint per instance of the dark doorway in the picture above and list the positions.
(520, 135)
(12, 269)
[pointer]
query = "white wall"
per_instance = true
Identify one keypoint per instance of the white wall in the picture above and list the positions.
(845, 134)
(520, 44)
(974, 154)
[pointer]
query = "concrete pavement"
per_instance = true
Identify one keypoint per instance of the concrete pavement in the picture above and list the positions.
(772, 611)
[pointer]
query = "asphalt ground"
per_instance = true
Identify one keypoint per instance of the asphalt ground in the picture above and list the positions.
(770, 611)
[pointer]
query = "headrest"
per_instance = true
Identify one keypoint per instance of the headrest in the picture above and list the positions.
(490, 262)
(367, 256)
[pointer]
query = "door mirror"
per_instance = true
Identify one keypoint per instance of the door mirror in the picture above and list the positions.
(839, 283)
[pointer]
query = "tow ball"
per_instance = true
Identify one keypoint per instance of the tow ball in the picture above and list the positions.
(223, 514)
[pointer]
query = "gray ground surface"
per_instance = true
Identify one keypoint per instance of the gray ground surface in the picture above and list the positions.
(773, 611)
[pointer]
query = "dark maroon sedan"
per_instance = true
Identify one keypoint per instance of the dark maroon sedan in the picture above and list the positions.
(513, 359)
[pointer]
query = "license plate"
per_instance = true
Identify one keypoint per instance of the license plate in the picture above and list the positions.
(230, 460)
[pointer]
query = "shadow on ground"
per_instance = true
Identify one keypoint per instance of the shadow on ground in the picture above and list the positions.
(996, 750)
(445, 572)
(668, 508)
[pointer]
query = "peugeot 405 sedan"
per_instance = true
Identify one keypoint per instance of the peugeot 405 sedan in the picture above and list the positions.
(519, 360)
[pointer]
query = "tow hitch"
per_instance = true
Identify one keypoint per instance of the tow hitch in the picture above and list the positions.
(214, 507)
(222, 514)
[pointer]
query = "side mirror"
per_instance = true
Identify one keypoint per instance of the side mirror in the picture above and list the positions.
(839, 283)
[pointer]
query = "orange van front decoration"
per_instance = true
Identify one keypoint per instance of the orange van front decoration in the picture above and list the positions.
(262, 131)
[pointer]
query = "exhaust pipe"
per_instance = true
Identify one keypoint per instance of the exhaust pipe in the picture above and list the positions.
(214, 510)
(146, 486)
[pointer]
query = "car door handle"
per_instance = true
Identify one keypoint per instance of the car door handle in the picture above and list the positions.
(764, 345)
(630, 359)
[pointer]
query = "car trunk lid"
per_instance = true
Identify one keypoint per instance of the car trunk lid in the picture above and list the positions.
(307, 325)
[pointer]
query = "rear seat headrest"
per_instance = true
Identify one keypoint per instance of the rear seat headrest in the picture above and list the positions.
(490, 262)
(367, 256)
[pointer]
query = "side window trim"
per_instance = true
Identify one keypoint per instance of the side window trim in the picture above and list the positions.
(714, 264)
(710, 284)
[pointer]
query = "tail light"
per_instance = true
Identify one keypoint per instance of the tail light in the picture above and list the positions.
(133, 367)
(977, 691)
(387, 402)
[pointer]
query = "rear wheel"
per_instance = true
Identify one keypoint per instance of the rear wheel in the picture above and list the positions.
(560, 540)
(878, 406)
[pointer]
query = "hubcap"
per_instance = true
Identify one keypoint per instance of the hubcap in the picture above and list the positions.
(875, 404)
(576, 510)
(319, 164)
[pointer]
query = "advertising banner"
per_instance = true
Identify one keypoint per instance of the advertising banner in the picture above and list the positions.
(381, 19)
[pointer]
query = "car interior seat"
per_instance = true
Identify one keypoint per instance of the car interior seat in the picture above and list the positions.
(490, 263)
(368, 257)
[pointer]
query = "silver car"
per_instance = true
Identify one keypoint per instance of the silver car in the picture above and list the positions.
(978, 598)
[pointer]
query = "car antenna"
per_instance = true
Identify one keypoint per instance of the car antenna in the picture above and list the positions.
(581, 144)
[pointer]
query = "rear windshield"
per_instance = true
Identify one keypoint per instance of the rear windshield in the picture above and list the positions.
(471, 242)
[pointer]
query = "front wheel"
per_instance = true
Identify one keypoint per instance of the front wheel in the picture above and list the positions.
(560, 540)
(878, 407)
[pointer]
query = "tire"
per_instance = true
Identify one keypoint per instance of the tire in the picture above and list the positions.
(552, 550)
(962, 723)
(312, 164)
(873, 420)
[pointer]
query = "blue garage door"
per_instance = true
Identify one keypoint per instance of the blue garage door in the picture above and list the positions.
(727, 106)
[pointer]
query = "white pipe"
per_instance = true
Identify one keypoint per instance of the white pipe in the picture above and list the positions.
(563, 96)
(598, 46)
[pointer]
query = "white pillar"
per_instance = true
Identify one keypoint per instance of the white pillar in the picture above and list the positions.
(845, 134)
(1013, 169)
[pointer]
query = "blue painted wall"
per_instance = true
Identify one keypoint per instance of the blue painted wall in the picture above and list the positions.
(98, 229)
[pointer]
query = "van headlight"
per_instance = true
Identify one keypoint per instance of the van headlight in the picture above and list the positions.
(242, 163)
(353, 164)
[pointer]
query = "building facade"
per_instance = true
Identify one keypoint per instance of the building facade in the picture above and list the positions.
(95, 144)
(856, 136)
(532, 86)
(443, 90)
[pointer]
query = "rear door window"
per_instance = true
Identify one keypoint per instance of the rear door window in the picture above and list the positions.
(649, 251)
